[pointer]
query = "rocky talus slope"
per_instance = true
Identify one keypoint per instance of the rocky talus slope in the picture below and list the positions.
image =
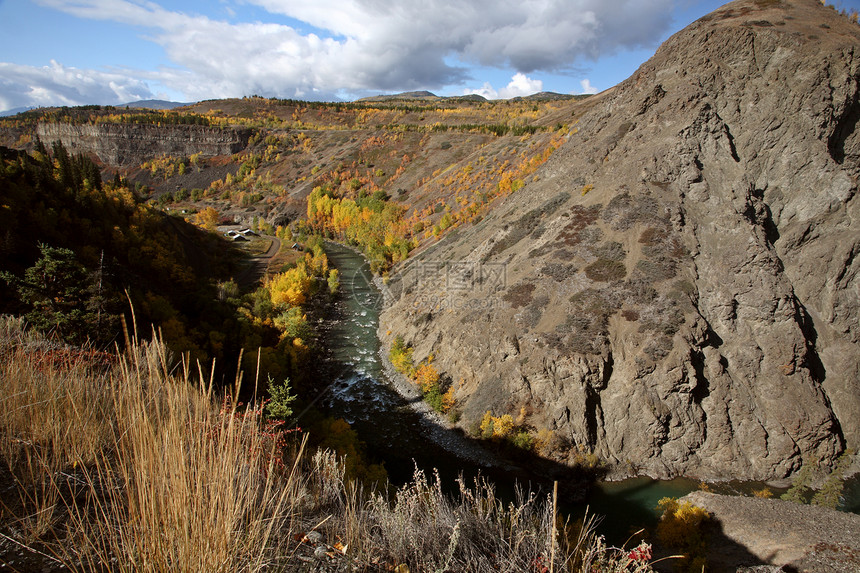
(678, 289)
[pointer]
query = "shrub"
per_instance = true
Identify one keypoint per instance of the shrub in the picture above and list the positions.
(830, 493)
(582, 457)
(605, 270)
(559, 272)
(610, 250)
(448, 402)
(630, 315)
(547, 442)
(446, 221)
(279, 399)
(434, 399)
(800, 486)
(680, 528)
(500, 427)
(523, 440)
(427, 377)
(486, 425)
(293, 323)
(333, 281)
(400, 356)
(291, 287)
(519, 295)
(580, 219)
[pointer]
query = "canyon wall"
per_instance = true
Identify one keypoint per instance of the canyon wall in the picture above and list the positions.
(132, 144)
(677, 291)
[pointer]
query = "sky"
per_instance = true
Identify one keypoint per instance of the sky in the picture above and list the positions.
(75, 52)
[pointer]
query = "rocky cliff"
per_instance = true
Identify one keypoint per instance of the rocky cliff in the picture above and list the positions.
(678, 289)
(132, 144)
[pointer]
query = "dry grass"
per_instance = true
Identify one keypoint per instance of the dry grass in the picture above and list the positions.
(130, 466)
(135, 469)
(186, 487)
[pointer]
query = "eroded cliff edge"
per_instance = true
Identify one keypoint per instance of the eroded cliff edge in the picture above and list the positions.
(131, 144)
(678, 290)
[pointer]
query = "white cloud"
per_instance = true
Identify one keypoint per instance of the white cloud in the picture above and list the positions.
(373, 45)
(520, 85)
(486, 91)
(526, 35)
(587, 88)
(56, 84)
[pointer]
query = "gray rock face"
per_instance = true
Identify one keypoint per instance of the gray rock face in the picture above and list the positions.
(132, 144)
(679, 291)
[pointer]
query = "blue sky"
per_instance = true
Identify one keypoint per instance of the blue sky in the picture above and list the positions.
(71, 52)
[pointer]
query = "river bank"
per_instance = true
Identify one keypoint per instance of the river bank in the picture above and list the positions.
(438, 428)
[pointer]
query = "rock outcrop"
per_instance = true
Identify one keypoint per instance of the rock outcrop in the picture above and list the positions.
(679, 290)
(746, 532)
(132, 144)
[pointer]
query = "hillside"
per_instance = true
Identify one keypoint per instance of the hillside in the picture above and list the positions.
(258, 159)
(76, 252)
(678, 291)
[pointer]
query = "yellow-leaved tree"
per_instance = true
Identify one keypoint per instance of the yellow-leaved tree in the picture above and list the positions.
(681, 529)
(291, 287)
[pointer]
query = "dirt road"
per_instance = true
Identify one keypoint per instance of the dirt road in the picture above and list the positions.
(251, 276)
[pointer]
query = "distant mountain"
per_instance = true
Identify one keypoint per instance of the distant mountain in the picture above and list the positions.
(425, 95)
(15, 111)
(155, 104)
(548, 96)
(142, 104)
(470, 97)
(404, 95)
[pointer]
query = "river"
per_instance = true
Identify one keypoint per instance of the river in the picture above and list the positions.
(362, 393)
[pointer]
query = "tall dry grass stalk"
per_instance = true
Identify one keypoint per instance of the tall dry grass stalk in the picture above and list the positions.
(187, 487)
(52, 417)
(122, 464)
(165, 479)
(52, 400)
